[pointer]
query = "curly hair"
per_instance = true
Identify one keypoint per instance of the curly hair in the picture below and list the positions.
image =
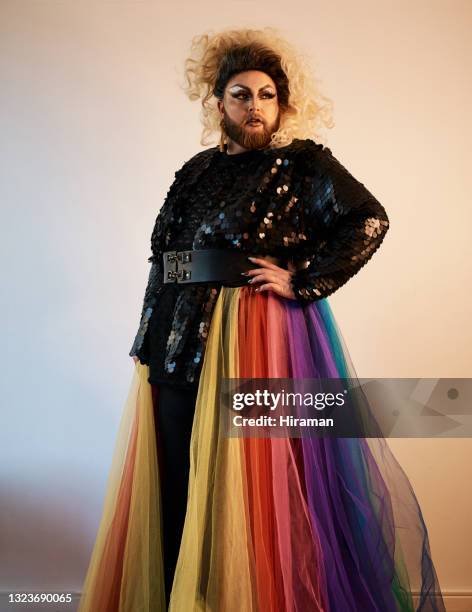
(215, 57)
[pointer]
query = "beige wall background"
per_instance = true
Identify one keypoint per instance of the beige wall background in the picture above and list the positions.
(93, 127)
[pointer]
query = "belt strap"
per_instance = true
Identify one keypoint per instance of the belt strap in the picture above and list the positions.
(209, 265)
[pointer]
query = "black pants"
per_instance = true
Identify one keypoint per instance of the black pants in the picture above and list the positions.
(174, 410)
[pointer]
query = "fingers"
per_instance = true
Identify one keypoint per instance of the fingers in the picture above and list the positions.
(274, 278)
(280, 272)
(265, 276)
(274, 286)
(260, 274)
(263, 262)
(280, 285)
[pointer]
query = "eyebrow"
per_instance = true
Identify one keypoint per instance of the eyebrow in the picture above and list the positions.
(248, 89)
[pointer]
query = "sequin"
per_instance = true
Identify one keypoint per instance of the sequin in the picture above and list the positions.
(297, 202)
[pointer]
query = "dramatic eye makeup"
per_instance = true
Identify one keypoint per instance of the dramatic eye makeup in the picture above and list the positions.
(241, 92)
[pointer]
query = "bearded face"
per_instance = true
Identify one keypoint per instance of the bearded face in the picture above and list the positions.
(250, 111)
(254, 133)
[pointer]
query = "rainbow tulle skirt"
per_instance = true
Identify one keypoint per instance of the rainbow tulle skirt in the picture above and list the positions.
(272, 524)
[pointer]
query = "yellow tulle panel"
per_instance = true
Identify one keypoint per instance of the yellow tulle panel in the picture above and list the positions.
(125, 573)
(215, 568)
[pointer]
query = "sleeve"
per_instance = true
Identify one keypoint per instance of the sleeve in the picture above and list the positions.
(345, 225)
(155, 277)
(146, 311)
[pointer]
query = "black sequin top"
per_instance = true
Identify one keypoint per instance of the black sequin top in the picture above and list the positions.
(296, 202)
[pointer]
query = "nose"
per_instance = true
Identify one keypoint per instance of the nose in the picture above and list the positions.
(254, 106)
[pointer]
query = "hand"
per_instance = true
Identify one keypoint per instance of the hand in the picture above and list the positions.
(276, 278)
(135, 359)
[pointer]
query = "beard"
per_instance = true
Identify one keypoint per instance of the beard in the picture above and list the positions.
(249, 139)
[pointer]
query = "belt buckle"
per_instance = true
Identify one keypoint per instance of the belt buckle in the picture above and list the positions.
(177, 266)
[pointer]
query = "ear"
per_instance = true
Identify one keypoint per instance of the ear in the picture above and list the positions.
(220, 107)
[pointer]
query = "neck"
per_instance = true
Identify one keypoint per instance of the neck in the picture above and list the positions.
(233, 148)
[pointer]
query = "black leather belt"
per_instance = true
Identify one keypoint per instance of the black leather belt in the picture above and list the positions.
(209, 265)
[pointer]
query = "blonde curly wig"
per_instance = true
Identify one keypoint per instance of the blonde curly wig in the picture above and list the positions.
(304, 109)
